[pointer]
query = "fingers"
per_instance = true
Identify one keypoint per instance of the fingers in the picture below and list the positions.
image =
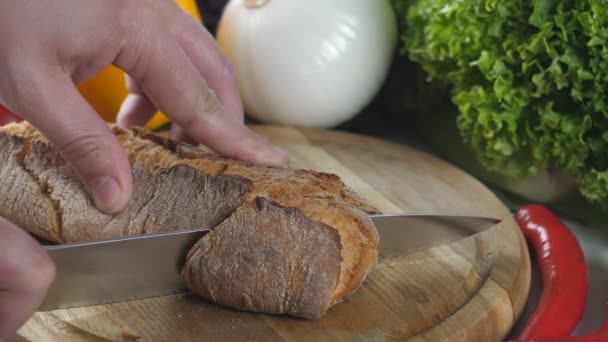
(178, 134)
(136, 109)
(83, 139)
(204, 53)
(174, 85)
(200, 47)
(26, 272)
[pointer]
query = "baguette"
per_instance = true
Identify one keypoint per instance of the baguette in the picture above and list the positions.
(283, 240)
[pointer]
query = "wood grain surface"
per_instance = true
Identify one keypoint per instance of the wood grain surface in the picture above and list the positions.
(470, 290)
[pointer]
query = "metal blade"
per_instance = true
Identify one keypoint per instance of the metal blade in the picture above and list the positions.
(103, 272)
(403, 234)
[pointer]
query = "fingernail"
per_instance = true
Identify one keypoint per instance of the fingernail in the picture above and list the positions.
(276, 156)
(106, 193)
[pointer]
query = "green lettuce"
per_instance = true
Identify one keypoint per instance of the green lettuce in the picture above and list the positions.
(529, 79)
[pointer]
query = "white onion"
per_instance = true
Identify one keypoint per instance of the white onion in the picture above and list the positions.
(313, 63)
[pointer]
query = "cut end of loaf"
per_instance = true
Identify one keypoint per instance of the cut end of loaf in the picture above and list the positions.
(267, 258)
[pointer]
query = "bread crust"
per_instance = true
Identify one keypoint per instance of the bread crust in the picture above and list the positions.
(238, 265)
(283, 241)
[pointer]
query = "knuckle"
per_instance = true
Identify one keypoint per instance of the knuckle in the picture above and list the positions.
(142, 27)
(148, 15)
(83, 147)
(204, 109)
(228, 70)
(17, 83)
(138, 15)
(207, 102)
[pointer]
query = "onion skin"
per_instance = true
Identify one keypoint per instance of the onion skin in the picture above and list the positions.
(314, 63)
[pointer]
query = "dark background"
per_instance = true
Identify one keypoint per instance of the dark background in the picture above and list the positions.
(211, 10)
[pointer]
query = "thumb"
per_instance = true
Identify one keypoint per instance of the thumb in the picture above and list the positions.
(26, 272)
(84, 140)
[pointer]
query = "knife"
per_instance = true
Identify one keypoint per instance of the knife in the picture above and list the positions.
(146, 266)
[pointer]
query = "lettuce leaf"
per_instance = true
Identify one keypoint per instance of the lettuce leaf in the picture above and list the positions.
(529, 79)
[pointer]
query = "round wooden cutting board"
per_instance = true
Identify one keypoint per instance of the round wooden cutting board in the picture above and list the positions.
(470, 290)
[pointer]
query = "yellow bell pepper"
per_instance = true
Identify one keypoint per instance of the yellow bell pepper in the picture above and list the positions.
(106, 91)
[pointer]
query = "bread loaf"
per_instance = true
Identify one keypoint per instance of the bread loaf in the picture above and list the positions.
(284, 241)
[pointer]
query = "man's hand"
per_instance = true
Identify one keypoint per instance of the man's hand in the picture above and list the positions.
(174, 65)
(26, 272)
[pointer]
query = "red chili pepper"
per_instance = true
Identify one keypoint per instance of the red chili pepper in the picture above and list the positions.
(7, 116)
(565, 281)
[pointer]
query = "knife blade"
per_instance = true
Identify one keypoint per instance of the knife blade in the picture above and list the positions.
(114, 270)
(146, 266)
(404, 234)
